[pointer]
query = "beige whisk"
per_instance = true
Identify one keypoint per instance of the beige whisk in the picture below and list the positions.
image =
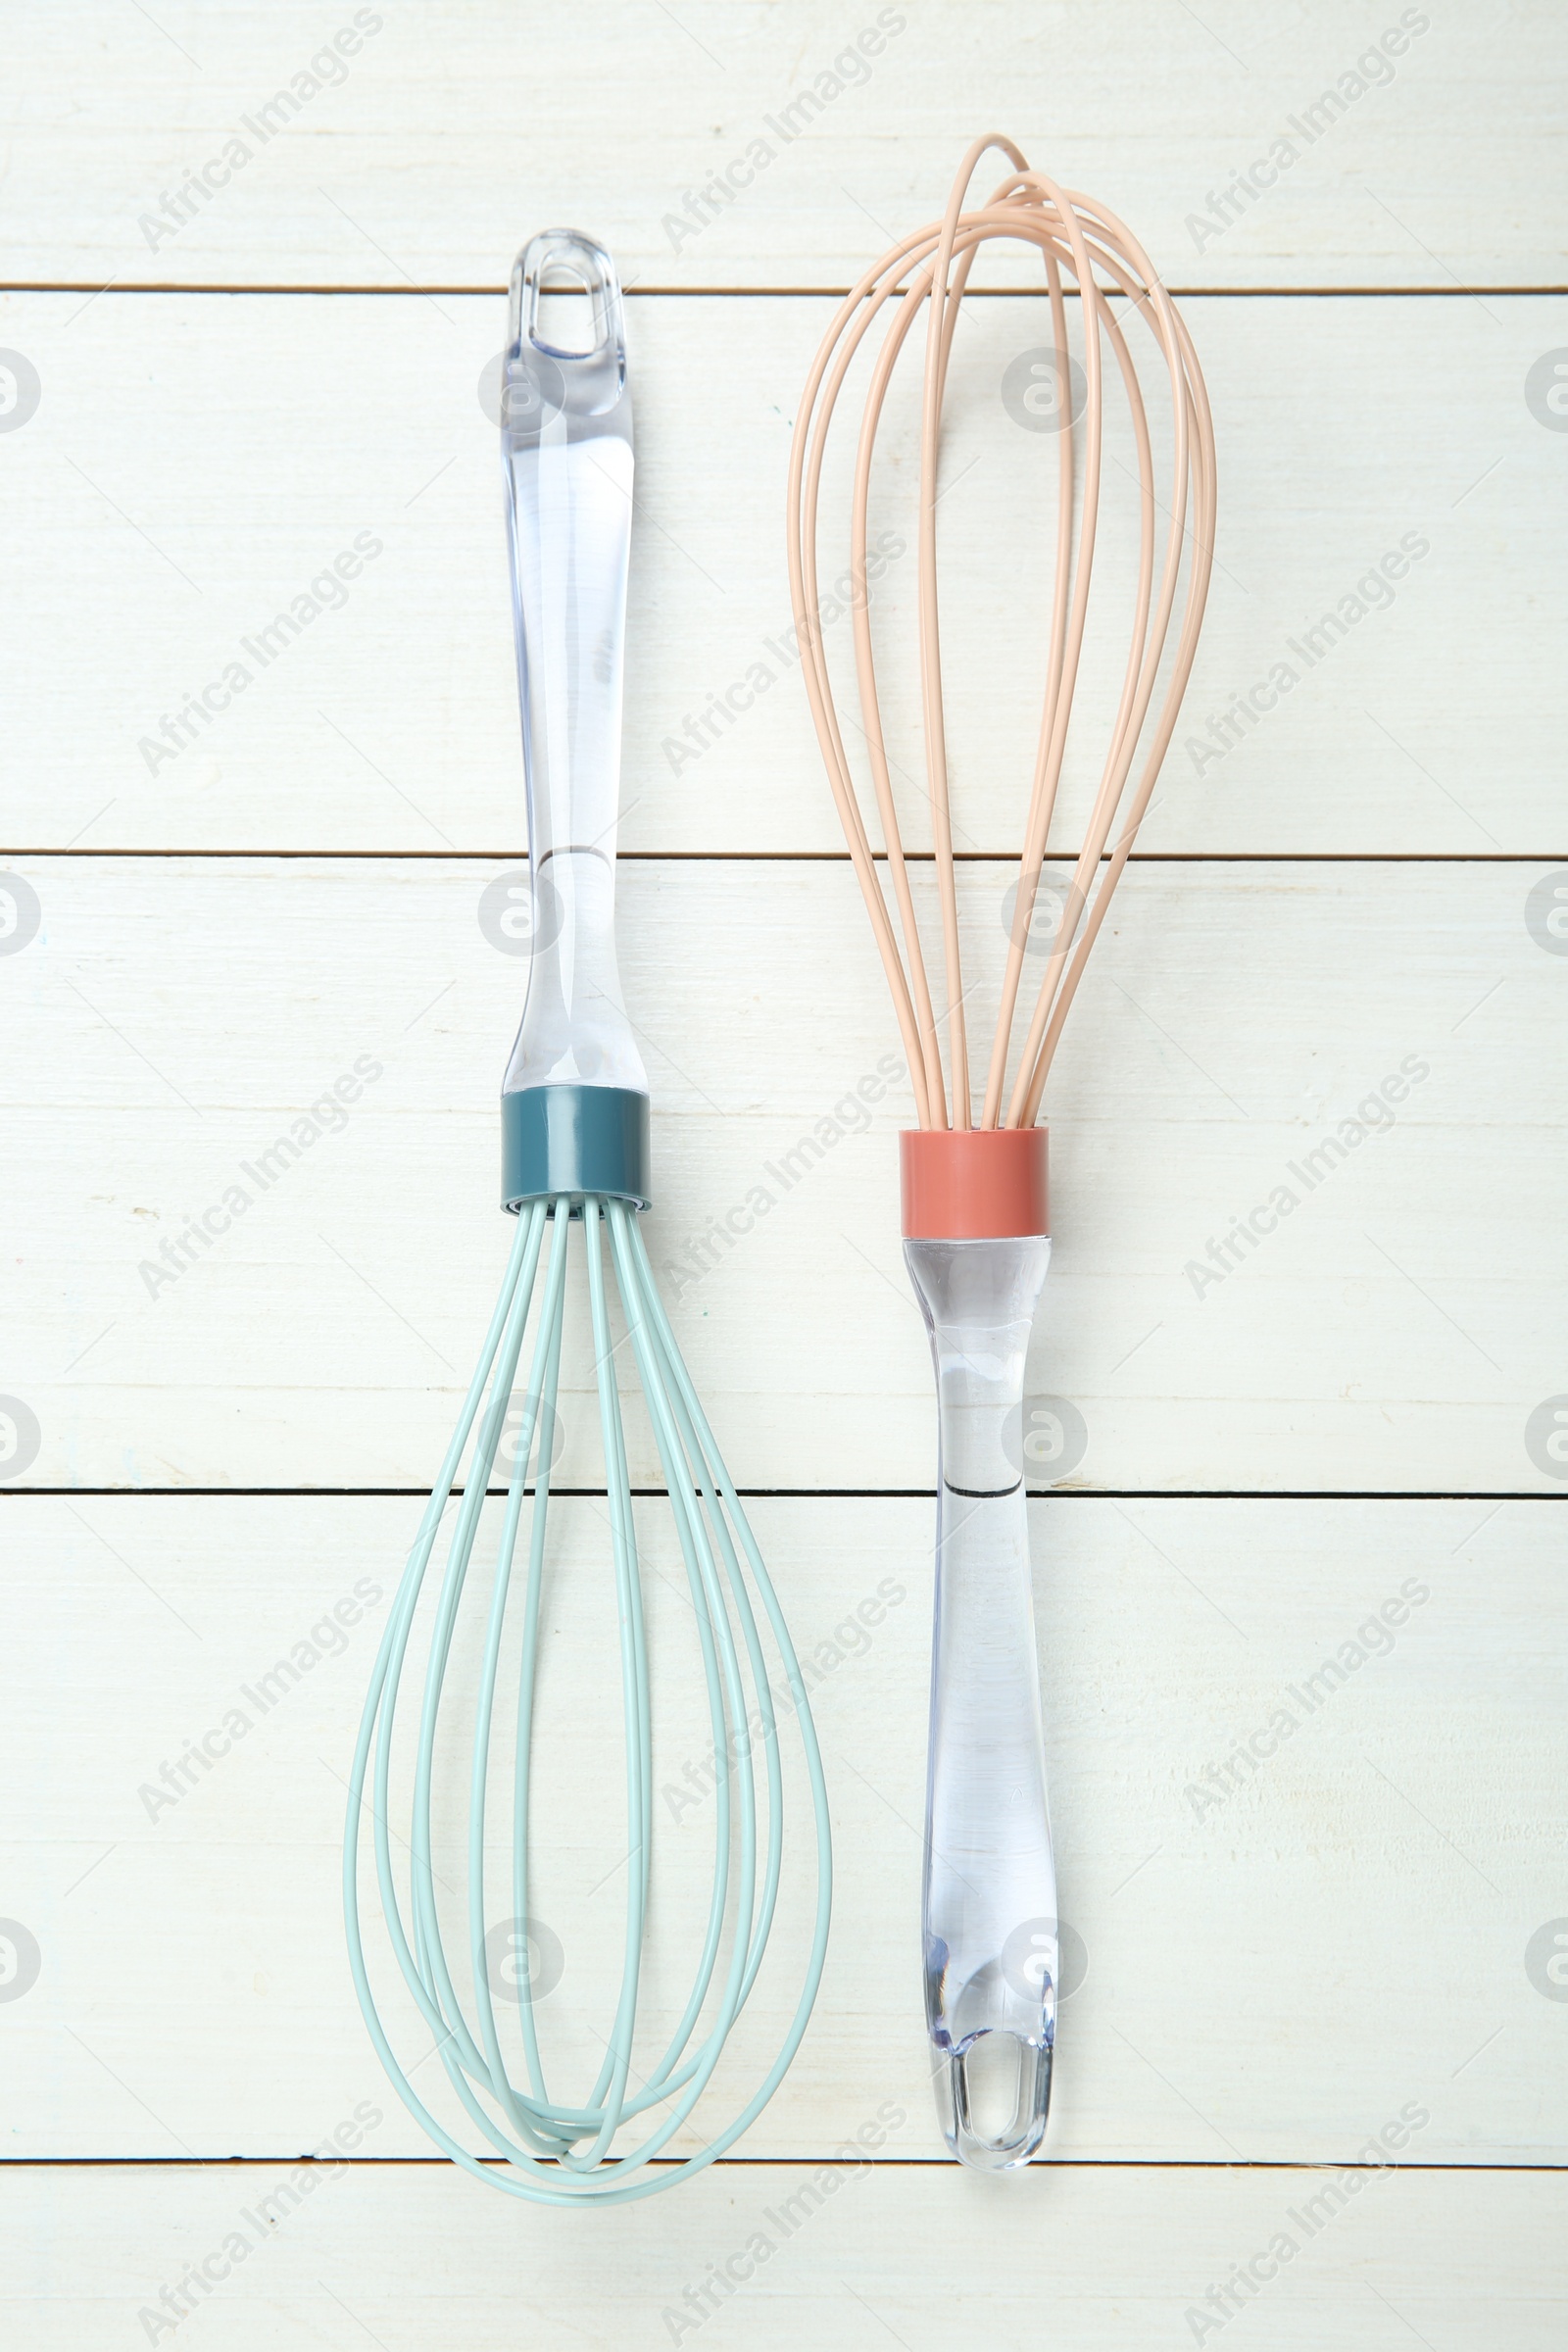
(975, 1196)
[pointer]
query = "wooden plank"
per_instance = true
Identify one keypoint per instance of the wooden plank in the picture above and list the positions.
(256, 440)
(1105, 2260)
(1242, 1912)
(448, 132)
(1395, 1329)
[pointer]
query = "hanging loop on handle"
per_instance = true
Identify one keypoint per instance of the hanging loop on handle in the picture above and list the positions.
(578, 389)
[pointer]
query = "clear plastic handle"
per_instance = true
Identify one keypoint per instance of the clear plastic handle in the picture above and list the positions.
(990, 1890)
(566, 455)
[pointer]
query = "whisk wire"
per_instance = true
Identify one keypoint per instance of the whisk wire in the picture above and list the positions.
(687, 1466)
(545, 1358)
(533, 1593)
(612, 2094)
(689, 1443)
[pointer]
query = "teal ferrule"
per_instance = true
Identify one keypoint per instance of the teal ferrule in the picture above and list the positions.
(577, 1140)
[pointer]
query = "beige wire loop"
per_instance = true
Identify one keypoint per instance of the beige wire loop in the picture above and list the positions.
(1080, 238)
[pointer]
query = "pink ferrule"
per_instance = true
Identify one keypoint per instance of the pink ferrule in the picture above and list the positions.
(973, 1184)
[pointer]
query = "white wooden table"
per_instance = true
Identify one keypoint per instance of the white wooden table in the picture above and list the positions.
(1359, 1942)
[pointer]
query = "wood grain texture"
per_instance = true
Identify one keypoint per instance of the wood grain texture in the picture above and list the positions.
(252, 440)
(1111, 2261)
(1367, 1891)
(1394, 1330)
(453, 130)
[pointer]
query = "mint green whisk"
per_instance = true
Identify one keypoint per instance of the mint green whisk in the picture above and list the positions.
(575, 1157)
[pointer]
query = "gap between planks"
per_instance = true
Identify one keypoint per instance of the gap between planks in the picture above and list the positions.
(1182, 293)
(841, 857)
(721, 2164)
(845, 1493)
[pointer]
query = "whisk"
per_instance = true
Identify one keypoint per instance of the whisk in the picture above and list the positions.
(575, 1155)
(975, 1190)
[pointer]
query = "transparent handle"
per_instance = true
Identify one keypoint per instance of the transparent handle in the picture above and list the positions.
(990, 1890)
(566, 455)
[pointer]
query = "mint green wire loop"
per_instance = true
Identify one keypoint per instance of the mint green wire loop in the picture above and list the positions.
(545, 2152)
